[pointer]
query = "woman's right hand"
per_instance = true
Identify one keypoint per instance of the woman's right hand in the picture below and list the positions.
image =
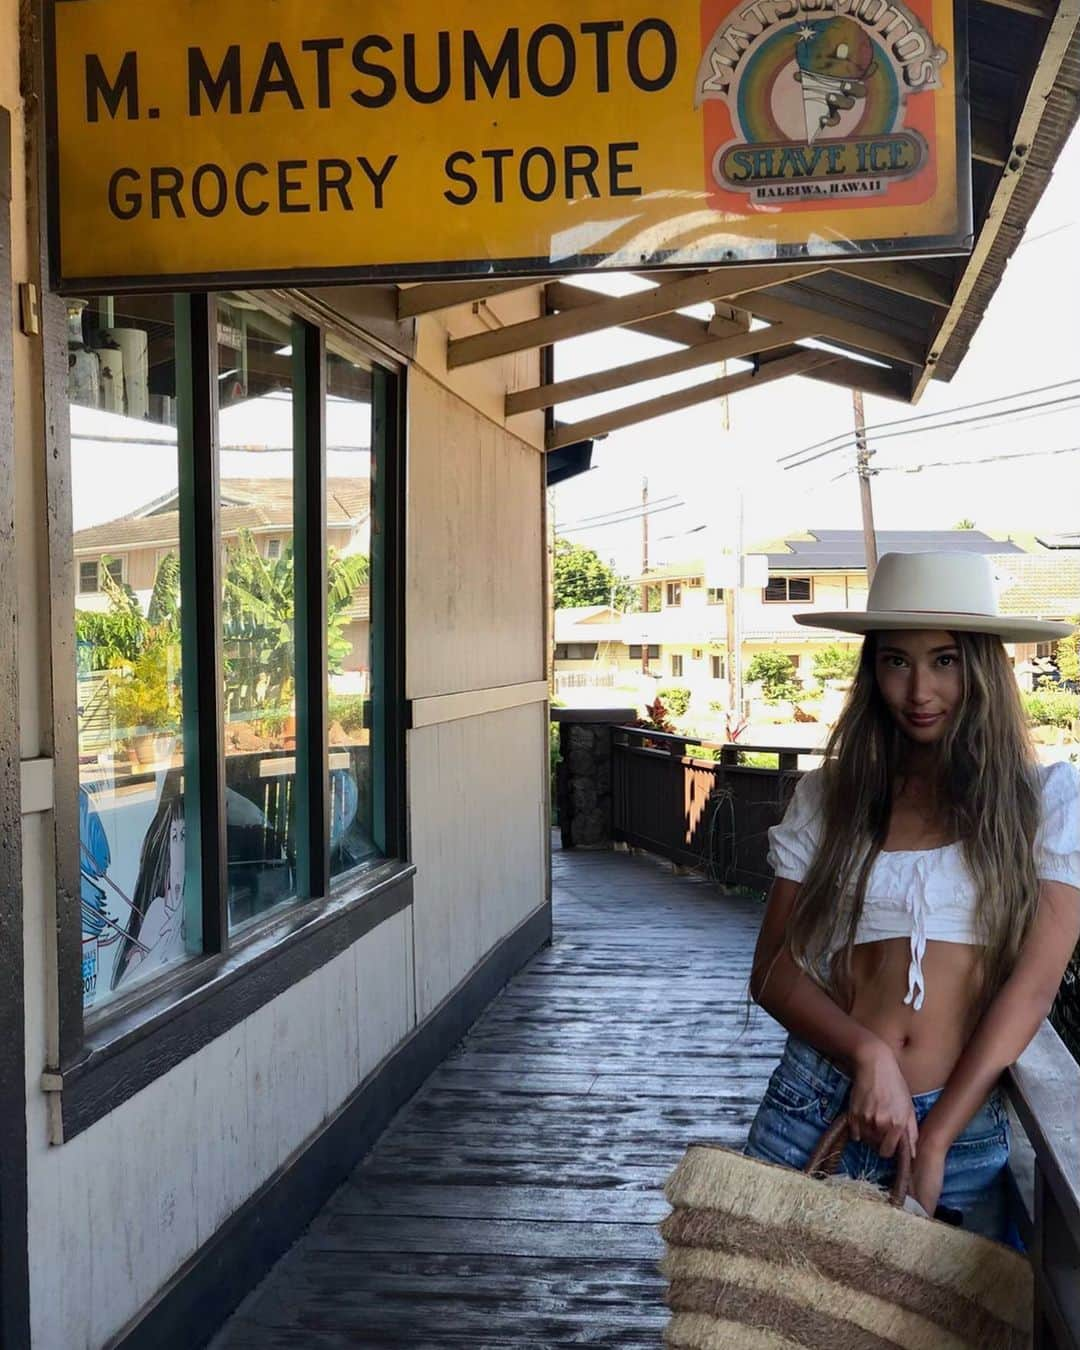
(880, 1111)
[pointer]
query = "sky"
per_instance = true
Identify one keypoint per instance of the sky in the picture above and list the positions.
(1028, 339)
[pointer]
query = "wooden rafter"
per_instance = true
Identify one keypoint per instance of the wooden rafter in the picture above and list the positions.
(886, 382)
(904, 278)
(989, 142)
(671, 363)
(435, 295)
(1038, 9)
(798, 364)
(669, 327)
(612, 312)
(845, 331)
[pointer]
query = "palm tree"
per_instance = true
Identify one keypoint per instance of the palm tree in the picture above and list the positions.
(259, 618)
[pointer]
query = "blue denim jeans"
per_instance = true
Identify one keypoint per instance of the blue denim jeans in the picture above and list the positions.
(807, 1092)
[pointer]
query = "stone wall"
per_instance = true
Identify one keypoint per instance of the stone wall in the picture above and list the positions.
(583, 777)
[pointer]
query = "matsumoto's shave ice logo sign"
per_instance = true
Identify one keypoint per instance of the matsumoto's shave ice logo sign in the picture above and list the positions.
(818, 96)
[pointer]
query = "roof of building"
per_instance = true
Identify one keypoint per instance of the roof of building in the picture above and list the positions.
(246, 504)
(1041, 584)
(844, 550)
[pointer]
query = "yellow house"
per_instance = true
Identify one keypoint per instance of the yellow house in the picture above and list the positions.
(689, 626)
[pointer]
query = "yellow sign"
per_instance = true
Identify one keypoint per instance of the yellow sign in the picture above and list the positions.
(211, 141)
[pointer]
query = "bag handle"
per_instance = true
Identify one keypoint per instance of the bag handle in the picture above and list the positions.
(825, 1159)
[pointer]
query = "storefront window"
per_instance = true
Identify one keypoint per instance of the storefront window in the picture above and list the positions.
(256, 379)
(352, 602)
(137, 916)
(209, 796)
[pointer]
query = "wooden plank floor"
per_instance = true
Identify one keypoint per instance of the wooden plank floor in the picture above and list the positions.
(514, 1201)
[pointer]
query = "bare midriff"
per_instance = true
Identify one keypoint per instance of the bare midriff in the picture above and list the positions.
(927, 1043)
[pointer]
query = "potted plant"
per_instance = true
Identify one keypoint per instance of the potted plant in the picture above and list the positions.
(146, 703)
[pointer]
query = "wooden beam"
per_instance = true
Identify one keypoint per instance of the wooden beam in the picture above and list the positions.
(614, 311)
(1037, 9)
(885, 382)
(435, 295)
(671, 363)
(903, 278)
(989, 142)
(679, 328)
(727, 320)
(844, 331)
(569, 432)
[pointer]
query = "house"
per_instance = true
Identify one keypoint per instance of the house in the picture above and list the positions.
(131, 547)
(826, 570)
(1045, 584)
(690, 625)
(682, 640)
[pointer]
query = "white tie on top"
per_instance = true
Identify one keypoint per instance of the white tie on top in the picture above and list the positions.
(929, 895)
(919, 906)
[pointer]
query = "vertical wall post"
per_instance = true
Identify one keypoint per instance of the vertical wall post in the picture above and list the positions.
(14, 1269)
(309, 573)
(200, 614)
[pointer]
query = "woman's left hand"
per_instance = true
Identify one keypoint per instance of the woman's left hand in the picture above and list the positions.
(927, 1176)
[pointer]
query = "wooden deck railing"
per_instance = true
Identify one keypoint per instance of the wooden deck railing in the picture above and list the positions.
(714, 814)
(699, 812)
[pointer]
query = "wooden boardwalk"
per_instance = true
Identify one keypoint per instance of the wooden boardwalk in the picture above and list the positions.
(514, 1201)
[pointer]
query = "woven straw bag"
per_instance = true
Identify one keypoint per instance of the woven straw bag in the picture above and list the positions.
(767, 1258)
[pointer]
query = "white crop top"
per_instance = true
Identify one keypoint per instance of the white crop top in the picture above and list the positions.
(930, 893)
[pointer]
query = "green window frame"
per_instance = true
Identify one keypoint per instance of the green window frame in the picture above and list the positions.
(107, 1055)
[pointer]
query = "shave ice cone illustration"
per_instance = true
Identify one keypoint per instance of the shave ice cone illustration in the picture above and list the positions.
(835, 58)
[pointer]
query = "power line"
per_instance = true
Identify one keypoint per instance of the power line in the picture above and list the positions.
(633, 508)
(625, 520)
(941, 426)
(923, 417)
(985, 459)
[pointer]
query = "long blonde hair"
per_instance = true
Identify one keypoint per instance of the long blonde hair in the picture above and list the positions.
(984, 773)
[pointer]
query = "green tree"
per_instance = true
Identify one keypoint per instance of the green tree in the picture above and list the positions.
(836, 662)
(774, 671)
(964, 524)
(1068, 654)
(258, 612)
(583, 578)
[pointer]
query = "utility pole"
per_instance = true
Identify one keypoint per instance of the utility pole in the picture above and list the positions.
(865, 473)
(644, 569)
(735, 674)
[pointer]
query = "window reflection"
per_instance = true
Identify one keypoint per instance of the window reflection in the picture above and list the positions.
(353, 726)
(255, 438)
(126, 509)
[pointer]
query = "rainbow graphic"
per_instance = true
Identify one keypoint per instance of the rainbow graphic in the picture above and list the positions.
(767, 97)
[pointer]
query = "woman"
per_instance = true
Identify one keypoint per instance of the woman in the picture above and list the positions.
(927, 897)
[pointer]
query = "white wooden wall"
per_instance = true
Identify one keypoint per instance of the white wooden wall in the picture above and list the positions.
(116, 1211)
(475, 605)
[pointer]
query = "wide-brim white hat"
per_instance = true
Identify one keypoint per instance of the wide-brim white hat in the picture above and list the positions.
(953, 591)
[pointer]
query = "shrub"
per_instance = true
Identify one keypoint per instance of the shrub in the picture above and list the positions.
(1068, 654)
(349, 710)
(773, 670)
(835, 662)
(656, 718)
(676, 699)
(1048, 709)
